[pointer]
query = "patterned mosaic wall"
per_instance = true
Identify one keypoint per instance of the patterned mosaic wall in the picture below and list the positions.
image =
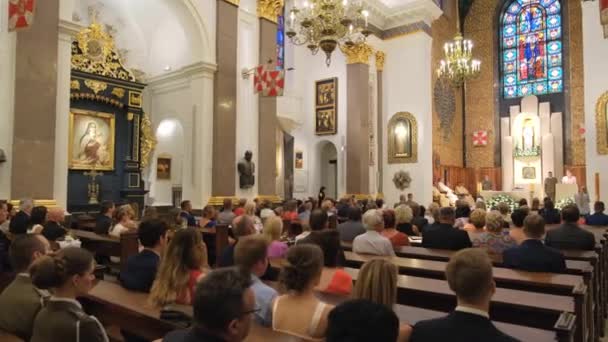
(447, 102)
(482, 93)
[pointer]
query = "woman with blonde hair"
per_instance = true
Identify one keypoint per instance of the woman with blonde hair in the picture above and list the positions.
(477, 222)
(273, 229)
(493, 240)
(249, 209)
(182, 267)
(377, 282)
(124, 216)
(403, 218)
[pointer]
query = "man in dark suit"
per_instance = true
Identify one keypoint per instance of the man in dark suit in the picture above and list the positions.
(141, 268)
(186, 213)
(569, 235)
(21, 300)
(532, 255)
(443, 235)
(21, 221)
(469, 274)
(324, 237)
(53, 229)
(352, 228)
(104, 220)
(598, 218)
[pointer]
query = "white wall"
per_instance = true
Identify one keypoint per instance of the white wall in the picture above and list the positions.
(595, 55)
(7, 94)
(170, 143)
(407, 88)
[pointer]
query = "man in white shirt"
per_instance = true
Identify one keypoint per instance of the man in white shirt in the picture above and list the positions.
(569, 178)
(372, 242)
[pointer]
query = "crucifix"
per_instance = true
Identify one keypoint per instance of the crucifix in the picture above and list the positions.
(93, 186)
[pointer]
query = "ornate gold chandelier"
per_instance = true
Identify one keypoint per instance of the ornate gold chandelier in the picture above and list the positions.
(326, 24)
(458, 65)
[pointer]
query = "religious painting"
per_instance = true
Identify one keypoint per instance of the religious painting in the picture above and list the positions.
(91, 140)
(325, 121)
(601, 118)
(326, 92)
(528, 172)
(299, 160)
(402, 139)
(163, 168)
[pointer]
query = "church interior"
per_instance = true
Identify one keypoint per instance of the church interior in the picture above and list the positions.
(211, 116)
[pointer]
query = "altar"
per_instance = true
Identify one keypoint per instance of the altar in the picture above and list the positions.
(516, 195)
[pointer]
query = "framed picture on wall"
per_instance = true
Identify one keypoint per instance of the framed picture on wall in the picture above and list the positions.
(325, 120)
(326, 92)
(299, 160)
(163, 168)
(528, 172)
(91, 140)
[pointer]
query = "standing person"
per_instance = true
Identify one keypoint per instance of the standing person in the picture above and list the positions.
(410, 201)
(5, 242)
(569, 235)
(70, 275)
(229, 292)
(21, 221)
(141, 268)
(569, 178)
(21, 300)
(582, 201)
(104, 222)
(226, 216)
(209, 219)
(321, 196)
(469, 275)
(186, 213)
(550, 183)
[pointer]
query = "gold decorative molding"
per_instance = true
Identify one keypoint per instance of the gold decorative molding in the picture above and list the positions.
(219, 200)
(130, 116)
(118, 92)
(270, 9)
(94, 52)
(357, 53)
(601, 124)
(394, 156)
(96, 86)
(75, 85)
(147, 141)
(49, 203)
(380, 60)
(272, 198)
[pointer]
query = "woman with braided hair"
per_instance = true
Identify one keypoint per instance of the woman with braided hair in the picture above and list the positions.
(299, 312)
(68, 274)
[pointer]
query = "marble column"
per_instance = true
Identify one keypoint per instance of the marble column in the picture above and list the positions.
(268, 122)
(33, 153)
(224, 116)
(379, 122)
(357, 127)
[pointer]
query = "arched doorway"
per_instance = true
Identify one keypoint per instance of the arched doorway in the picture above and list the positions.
(166, 173)
(329, 169)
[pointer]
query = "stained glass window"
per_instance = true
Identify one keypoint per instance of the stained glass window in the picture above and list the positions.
(531, 48)
(281, 42)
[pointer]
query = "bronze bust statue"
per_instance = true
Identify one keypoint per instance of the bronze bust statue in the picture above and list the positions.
(246, 170)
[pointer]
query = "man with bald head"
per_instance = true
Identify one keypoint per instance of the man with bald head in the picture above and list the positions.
(53, 229)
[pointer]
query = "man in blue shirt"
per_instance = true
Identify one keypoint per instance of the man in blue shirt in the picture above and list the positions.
(250, 255)
(141, 268)
(598, 218)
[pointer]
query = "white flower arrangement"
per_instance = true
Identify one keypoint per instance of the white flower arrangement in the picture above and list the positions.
(564, 202)
(494, 201)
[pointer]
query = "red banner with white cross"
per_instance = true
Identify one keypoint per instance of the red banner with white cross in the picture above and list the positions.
(480, 138)
(20, 14)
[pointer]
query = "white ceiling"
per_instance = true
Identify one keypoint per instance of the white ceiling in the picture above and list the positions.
(396, 3)
(387, 14)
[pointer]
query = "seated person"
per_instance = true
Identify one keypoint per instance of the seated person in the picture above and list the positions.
(352, 228)
(464, 194)
(598, 218)
(516, 232)
(241, 227)
(443, 235)
(5, 242)
(449, 193)
(182, 267)
(53, 229)
(21, 221)
(532, 255)
(372, 242)
(462, 213)
(141, 268)
(186, 213)
(377, 282)
(21, 300)
(361, 321)
(273, 229)
(334, 279)
(419, 221)
(505, 211)
(69, 274)
(549, 213)
(37, 219)
(226, 216)
(209, 219)
(493, 240)
(124, 216)
(240, 207)
(477, 223)
(250, 257)
(321, 234)
(228, 291)
(104, 219)
(397, 238)
(569, 235)
(403, 220)
(299, 312)
(469, 275)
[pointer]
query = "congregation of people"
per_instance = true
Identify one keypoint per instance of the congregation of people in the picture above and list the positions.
(176, 266)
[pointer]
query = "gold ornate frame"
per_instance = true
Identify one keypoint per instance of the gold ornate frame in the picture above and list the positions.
(393, 158)
(74, 165)
(601, 124)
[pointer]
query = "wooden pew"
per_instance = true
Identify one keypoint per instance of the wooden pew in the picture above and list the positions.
(6, 337)
(126, 246)
(559, 284)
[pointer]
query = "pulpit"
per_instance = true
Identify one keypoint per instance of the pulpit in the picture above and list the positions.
(563, 191)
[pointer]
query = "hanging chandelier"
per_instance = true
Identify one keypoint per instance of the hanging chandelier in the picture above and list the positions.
(326, 24)
(458, 66)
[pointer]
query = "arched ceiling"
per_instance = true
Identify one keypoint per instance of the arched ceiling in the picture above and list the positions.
(153, 36)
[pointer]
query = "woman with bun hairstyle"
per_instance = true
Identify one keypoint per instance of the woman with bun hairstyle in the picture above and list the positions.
(68, 274)
(299, 312)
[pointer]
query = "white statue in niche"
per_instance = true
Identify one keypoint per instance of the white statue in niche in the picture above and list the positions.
(527, 135)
